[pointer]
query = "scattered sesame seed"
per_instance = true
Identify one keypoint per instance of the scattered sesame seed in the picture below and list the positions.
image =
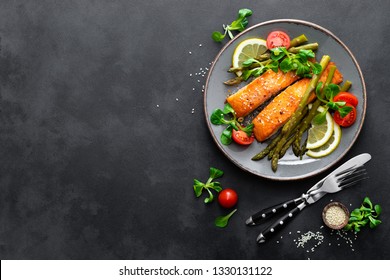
(177, 99)
(190, 52)
(190, 75)
(200, 45)
(158, 105)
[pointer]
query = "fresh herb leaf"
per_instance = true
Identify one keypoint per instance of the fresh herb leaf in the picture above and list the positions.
(298, 62)
(215, 173)
(344, 110)
(320, 117)
(227, 116)
(366, 214)
(228, 109)
(378, 210)
(218, 36)
(226, 136)
(209, 185)
(326, 95)
(237, 25)
(222, 221)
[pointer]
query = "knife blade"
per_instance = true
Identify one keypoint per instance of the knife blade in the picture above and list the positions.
(356, 161)
(310, 199)
(265, 214)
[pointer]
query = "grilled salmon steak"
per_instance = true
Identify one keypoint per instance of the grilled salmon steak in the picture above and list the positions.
(251, 96)
(283, 106)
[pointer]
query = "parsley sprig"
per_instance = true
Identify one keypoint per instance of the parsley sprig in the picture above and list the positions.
(238, 25)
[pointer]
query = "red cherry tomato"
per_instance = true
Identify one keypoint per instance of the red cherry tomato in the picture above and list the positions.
(346, 97)
(348, 120)
(278, 39)
(227, 198)
(240, 137)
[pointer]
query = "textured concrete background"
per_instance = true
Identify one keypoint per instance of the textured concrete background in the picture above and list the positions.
(102, 131)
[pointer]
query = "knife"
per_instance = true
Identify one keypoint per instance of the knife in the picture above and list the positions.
(304, 200)
(269, 212)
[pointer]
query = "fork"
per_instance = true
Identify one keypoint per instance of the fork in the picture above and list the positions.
(342, 180)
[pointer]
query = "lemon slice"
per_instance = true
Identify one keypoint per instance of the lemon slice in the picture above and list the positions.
(249, 48)
(329, 146)
(319, 134)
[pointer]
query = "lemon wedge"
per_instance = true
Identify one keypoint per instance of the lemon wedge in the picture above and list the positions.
(249, 48)
(329, 146)
(319, 134)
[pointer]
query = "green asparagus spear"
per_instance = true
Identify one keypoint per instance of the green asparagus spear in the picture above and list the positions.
(297, 41)
(313, 111)
(312, 46)
(346, 86)
(287, 128)
(234, 81)
(287, 145)
(268, 149)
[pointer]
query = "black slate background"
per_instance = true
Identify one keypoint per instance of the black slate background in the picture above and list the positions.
(102, 134)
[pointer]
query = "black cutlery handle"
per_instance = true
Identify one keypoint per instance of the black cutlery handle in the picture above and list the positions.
(277, 226)
(269, 212)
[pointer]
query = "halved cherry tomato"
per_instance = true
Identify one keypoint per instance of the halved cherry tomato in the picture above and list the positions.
(227, 198)
(347, 97)
(240, 137)
(278, 39)
(348, 120)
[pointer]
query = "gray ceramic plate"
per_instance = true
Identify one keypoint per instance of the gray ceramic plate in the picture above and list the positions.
(290, 167)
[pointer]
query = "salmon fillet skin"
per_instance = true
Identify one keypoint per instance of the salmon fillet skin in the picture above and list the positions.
(283, 106)
(254, 94)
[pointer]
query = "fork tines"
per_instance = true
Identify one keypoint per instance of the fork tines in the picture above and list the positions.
(352, 176)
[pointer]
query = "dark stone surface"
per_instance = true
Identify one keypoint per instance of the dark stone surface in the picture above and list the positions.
(99, 145)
